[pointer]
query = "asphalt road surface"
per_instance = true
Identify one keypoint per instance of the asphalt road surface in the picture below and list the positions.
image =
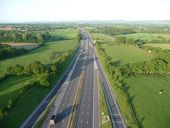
(85, 112)
(65, 103)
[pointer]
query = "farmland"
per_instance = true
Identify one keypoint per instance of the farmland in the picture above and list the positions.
(126, 53)
(48, 53)
(14, 90)
(148, 36)
(122, 53)
(163, 46)
(144, 101)
(151, 106)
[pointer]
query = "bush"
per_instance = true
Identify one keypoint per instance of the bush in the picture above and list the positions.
(44, 82)
(9, 105)
(7, 51)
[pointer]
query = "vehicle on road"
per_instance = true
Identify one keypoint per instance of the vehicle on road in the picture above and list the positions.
(53, 120)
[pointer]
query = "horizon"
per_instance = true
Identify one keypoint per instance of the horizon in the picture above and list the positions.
(89, 21)
(19, 11)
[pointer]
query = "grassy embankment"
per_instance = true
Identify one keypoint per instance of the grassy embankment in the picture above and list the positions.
(32, 96)
(151, 108)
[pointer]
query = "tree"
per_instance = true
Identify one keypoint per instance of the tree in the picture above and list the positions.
(37, 67)
(15, 70)
(40, 38)
(1, 113)
(9, 105)
(53, 69)
(44, 82)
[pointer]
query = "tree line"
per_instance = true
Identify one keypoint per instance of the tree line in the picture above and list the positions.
(7, 51)
(120, 29)
(24, 36)
(113, 30)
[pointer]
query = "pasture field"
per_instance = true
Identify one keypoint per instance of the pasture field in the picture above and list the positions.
(149, 94)
(64, 33)
(122, 53)
(14, 88)
(152, 107)
(148, 36)
(126, 53)
(48, 53)
(103, 38)
(163, 46)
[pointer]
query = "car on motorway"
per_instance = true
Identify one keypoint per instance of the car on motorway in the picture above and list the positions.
(91, 44)
(53, 120)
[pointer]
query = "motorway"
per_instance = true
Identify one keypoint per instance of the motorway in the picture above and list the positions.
(83, 79)
(87, 108)
(68, 103)
(85, 117)
(77, 103)
(65, 104)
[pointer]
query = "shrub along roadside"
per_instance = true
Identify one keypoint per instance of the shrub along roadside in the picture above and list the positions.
(7, 51)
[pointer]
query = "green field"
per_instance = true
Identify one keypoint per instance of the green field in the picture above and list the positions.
(163, 46)
(103, 38)
(25, 99)
(126, 53)
(48, 53)
(152, 108)
(148, 36)
(64, 33)
(121, 53)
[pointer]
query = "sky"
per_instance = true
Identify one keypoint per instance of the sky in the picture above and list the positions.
(76, 10)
